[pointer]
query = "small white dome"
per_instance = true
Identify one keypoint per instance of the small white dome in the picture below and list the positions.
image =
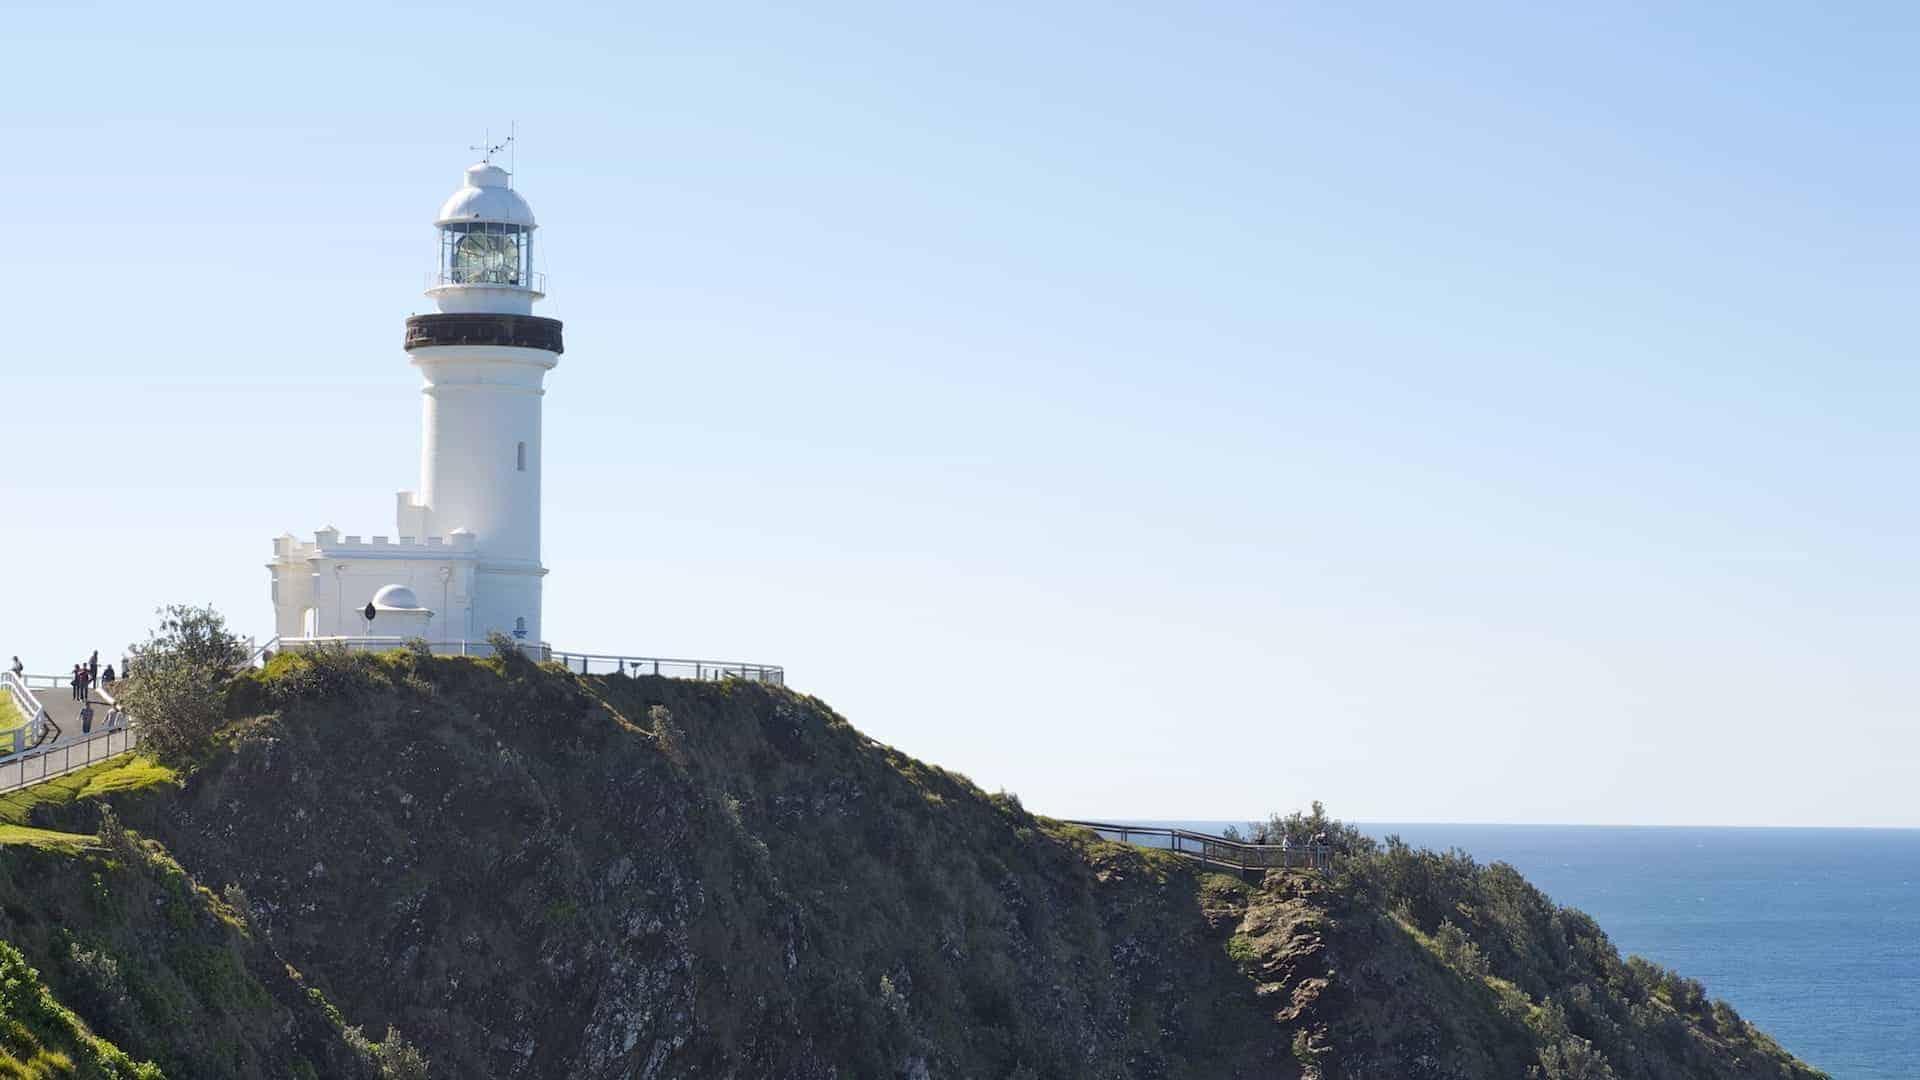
(486, 197)
(395, 598)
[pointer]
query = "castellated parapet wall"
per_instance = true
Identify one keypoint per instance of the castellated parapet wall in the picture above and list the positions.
(320, 587)
(328, 543)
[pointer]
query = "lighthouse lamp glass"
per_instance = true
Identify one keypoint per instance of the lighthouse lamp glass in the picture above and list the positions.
(484, 253)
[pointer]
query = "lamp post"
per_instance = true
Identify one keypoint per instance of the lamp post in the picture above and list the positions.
(339, 601)
(446, 592)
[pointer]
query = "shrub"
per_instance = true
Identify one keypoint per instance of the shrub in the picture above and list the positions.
(115, 837)
(1571, 1058)
(36, 1021)
(194, 636)
(507, 653)
(328, 671)
(398, 1059)
(1459, 951)
(177, 696)
(103, 987)
(668, 734)
(392, 1058)
(1300, 829)
(237, 899)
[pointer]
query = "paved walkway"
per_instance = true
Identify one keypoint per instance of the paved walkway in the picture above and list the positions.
(66, 748)
(65, 713)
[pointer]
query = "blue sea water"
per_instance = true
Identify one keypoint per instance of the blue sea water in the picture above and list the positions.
(1812, 934)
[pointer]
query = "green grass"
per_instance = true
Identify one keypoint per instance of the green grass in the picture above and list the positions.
(46, 839)
(10, 720)
(40, 1037)
(126, 773)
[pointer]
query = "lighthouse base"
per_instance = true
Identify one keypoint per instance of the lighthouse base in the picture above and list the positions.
(321, 588)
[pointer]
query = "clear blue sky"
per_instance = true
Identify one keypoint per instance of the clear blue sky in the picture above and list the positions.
(1496, 412)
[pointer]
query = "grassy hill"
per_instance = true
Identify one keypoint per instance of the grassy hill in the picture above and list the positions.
(525, 873)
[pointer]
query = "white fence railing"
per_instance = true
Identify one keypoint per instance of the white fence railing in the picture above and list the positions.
(31, 711)
(68, 755)
(583, 663)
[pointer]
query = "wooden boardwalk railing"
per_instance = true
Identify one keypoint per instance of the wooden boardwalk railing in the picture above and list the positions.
(1210, 850)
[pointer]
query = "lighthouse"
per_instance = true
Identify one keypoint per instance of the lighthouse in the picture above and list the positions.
(464, 561)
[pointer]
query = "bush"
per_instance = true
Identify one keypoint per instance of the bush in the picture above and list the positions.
(176, 695)
(668, 734)
(325, 672)
(194, 636)
(392, 1058)
(508, 654)
(35, 1021)
(1571, 1058)
(1300, 829)
(398, 1059)
(115, 837)
(1459, 951)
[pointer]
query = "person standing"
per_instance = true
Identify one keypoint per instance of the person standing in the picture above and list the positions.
(79, 682)
(86, 719)
(93, 668)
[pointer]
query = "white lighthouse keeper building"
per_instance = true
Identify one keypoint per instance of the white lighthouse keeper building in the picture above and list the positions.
(466, 552)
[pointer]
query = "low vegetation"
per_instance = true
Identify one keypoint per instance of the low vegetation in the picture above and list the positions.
(128, 773)
(41, 1038)
(532, 873)
(11, 720)
(1414, 962)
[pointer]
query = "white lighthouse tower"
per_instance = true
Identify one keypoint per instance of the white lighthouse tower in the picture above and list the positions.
(467, 558)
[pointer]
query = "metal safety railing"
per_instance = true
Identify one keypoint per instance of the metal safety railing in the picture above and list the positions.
(1212, 850)
(582, 663)
(68, 755)
(702, 670)
(503, 277)
(33, 715)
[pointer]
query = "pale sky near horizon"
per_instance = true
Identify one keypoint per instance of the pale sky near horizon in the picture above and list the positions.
(1470, 412)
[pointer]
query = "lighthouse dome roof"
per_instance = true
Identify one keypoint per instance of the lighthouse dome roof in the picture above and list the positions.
(485, 196)
(395, 598)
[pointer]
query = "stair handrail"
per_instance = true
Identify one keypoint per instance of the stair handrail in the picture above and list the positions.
(257, 657)
(28, 704)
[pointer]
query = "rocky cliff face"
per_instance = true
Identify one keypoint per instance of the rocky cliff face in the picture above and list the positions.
(530, 874)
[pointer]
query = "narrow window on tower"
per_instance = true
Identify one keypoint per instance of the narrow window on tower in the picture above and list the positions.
(520, 457)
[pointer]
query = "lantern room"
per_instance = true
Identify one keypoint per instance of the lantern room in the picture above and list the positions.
(486, 247)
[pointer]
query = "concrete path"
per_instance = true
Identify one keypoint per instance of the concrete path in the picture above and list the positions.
(65, 748)
(65, 713)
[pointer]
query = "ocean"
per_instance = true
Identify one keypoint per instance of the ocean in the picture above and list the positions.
(1812, 934)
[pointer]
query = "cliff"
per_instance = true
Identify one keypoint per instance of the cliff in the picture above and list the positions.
(514, 872)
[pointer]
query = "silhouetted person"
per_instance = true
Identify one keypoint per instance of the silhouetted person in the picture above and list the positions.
(79, 683)
(106, 677)
(86, 719)
(18, 667)
(93, 668)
